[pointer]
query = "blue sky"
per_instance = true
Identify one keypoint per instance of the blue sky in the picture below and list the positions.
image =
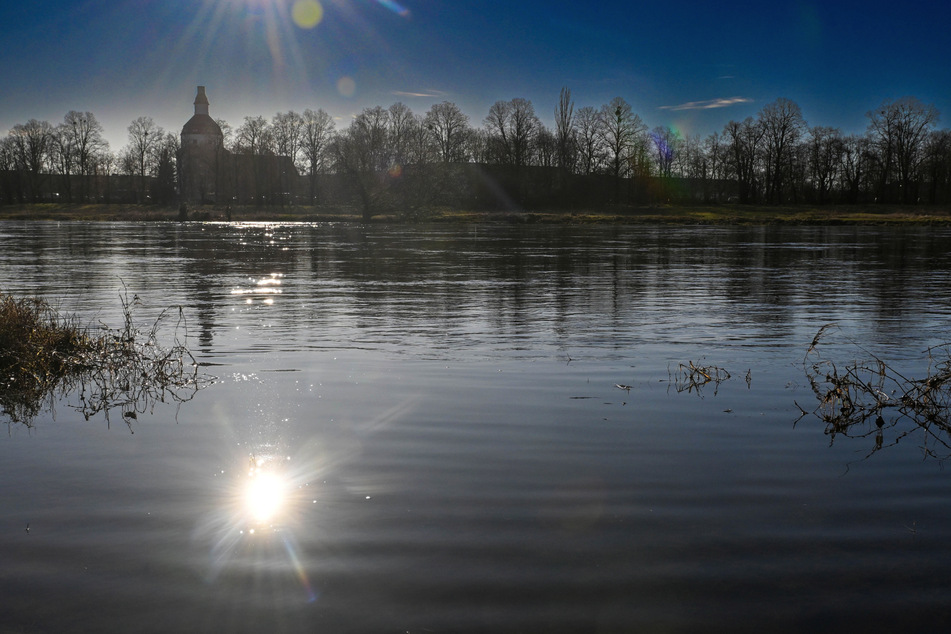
(672, 61)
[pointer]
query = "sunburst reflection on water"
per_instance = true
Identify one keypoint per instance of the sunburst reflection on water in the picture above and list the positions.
(262, 506)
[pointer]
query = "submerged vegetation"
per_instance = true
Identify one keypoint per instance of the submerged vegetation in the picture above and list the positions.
(867, 397)
(864, 397)
(44, 355)
(693, 377)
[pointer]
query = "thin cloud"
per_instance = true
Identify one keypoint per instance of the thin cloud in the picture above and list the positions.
(710, 103)
(430, 93)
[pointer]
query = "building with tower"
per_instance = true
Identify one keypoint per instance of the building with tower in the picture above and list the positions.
(210, 173)
(202, 155)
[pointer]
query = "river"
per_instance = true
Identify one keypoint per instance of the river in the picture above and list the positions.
(484, 429)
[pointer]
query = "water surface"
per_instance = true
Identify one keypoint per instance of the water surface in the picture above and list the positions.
(481, 432)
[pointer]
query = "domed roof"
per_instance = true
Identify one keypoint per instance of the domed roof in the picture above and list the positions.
(202, 124)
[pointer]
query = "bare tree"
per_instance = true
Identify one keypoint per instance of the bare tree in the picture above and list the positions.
(62, 154)
(782, 125)
(565, 131)
(87, 140)
(31, 146)
(253, 140)
(253, 136)
(144, 139)
(512, 125)
(421, 147)
(361, 152)
(166, 169)
(286, 131)
(743, 143)
(938, 165)
(227, 135)
(400, 124)
(9, 185)
(479, 146)
(620, 129)
(101, 166)
(857, 157)
(450, 129)
(589, 140)
(825, 149)
(546, 148)
(666, 145)
(316, 138)
(899, 130)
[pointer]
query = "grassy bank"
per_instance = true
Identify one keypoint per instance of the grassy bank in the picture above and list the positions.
(44, 355)
(676, 214)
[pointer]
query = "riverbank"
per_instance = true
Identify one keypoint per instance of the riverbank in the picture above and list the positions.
(699, 214)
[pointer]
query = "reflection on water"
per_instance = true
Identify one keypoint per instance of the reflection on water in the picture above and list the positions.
(483, 429)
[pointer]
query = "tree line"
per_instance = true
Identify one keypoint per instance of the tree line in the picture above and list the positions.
(393, 157)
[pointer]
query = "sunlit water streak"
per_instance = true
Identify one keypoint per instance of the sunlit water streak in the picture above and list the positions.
(442, 407)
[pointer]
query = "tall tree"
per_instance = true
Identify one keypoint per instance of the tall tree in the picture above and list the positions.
(899, 129)
(620, 129)
(938, 165)
(400, 123)
(513, 126)
(361, 152)
(590, 137)
(450, 129)
(565, 130)
(31, 145)
(825, 148)
(666, 144)
(316, 138)
(62, 152)
(286, 131)
(166, 169)
(253, 139)
(144, 139)
(86, 135)
(253, 136)
(782, 126)
(857, 159)
(742, 144)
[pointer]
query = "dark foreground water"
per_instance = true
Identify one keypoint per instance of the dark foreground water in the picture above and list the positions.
(482, 429)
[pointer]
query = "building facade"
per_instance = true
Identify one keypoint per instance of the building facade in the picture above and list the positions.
(202, 154)
(210, 173)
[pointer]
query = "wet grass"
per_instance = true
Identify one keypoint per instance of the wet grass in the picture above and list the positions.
(45, 355)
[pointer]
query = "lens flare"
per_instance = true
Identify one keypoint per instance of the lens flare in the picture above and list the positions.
(307, 13)
(395, 7)
(346, 86)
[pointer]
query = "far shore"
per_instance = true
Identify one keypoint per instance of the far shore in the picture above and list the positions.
(672, 214)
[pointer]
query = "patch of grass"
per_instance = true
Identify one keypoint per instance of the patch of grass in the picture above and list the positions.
(44, 355)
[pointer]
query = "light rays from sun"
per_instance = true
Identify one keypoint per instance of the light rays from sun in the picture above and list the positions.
(281, 47)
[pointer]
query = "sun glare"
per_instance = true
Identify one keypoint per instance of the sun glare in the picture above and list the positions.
(264, 495)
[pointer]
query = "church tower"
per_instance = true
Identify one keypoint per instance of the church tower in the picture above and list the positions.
(200, 162)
